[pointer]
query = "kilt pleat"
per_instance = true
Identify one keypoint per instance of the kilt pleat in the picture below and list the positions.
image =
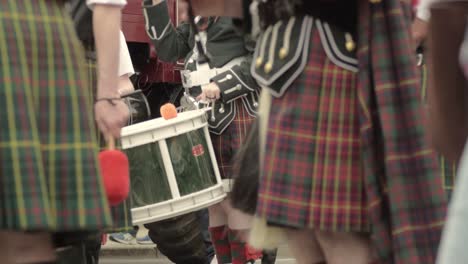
(312, 171)
(48, 148)
(229, 142)
(448, 169)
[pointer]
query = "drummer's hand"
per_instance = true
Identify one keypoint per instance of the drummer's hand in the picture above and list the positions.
(419, 30)
(110, 118)
(210, 93)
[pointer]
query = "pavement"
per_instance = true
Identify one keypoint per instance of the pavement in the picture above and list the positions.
(114, 249)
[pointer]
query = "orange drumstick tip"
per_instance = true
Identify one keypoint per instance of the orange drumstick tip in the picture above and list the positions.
(168, 111)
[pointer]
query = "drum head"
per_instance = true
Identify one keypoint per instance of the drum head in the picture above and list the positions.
(191, 161)
(148, 177)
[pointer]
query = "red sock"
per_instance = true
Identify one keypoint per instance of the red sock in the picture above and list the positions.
(220, 240)
(240, 251)
(252, 253)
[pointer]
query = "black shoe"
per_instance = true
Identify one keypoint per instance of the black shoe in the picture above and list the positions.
(71, 255)
(269, 256)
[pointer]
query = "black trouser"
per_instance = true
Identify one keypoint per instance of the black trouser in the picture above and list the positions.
(77, 247)
(204, 225)
(92, 249)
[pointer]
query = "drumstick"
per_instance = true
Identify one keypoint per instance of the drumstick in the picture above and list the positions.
(168, 111)
(115, 173)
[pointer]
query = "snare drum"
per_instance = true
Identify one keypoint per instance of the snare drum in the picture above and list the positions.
(173, 169)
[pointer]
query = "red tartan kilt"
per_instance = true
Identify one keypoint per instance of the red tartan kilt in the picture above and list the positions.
(229, 142)
(312, 175)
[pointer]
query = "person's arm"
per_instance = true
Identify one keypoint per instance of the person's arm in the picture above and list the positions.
(170, 43)
(111, 115)
(420, 26)
(236, 82)
(422, 10)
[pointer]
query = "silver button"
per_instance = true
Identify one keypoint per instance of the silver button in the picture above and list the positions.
(229, 76)
(191, 61)
(239, 87)
(255, 104)
(221, 110)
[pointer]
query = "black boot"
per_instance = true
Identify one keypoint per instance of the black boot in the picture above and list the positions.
(93, 247)
(75, 254)
(269, 256)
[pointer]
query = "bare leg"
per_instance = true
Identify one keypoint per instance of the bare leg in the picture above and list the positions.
(239, 224)
(345, 248)
(304, 246)
(22, 248)
(237, 220)
(218, 216)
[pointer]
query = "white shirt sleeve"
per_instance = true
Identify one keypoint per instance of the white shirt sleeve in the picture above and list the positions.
(423, 9)
(125, 65)
(91, 3)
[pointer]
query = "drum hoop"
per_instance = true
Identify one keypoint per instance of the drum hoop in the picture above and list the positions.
(179, 206)
(153, 128)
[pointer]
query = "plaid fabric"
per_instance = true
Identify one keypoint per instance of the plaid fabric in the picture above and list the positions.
(220, 240)
(227, 144)
(122, 217)
(121, 214)
(405, 201)
(238, 247)
(312, 174)
(49, 174)
(448, 169)
(407, 204)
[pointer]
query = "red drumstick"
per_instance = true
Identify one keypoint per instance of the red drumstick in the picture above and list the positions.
(168, 111)
(115, 173)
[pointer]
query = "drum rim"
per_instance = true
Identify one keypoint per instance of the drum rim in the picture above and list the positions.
(216, 192)
(158, 123)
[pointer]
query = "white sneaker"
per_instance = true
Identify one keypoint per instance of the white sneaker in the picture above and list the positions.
(146, 240)
(123, 238)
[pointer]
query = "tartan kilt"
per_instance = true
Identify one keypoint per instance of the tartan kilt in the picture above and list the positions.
(121, 214)
(448, 169)
(230, 141)
(312, 174)
(50, 177)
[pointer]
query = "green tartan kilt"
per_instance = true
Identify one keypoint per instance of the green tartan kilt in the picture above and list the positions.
(50, 177)
(448, 169)
(121, 214)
